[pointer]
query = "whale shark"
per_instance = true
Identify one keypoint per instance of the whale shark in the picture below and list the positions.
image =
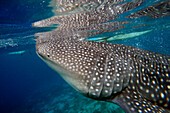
(135, 79)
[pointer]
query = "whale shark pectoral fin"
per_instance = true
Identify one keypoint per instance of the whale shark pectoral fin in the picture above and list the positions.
(132, 102)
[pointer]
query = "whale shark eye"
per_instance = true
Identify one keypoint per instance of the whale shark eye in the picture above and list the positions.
(48, 55)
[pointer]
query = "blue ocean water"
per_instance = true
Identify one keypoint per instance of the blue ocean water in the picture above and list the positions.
(20, 76)
(28, 85)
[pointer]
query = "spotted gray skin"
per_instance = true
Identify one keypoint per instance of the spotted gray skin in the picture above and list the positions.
(155, 11)
(137, 80)
(105, 12)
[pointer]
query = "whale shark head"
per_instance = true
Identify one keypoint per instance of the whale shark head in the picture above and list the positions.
(94, 69)
(61, 59)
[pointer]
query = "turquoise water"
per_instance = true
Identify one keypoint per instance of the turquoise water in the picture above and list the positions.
(28, 85)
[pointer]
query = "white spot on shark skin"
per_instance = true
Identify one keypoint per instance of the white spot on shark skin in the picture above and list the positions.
(162, 95)
(17, 52)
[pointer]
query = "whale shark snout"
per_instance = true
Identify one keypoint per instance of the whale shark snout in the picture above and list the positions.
(53, 58)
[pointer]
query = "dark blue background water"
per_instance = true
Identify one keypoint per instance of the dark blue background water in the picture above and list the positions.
(20, 77)
(23, 11)
(23, 75)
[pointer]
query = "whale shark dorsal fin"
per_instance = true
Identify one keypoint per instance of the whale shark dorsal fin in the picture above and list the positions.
(132, 102)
